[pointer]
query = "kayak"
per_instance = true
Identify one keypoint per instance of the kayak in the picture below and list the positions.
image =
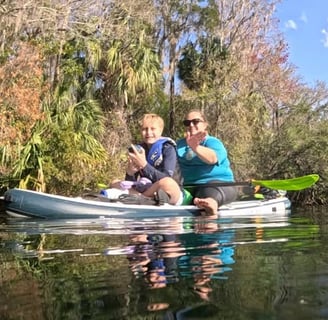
(33, 204)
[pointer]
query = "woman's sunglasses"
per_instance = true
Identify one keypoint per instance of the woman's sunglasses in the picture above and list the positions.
(187, 123)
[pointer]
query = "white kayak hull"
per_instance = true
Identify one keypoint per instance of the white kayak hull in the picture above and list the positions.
(27, 203)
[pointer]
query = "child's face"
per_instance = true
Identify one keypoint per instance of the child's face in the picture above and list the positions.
(151, 131)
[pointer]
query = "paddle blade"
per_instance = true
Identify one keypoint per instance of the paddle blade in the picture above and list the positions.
(293, 184)
(102, 185)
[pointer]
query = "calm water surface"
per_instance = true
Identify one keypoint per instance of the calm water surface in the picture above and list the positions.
(186, 268)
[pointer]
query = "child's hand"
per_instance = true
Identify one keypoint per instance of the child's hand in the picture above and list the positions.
(131, 168)
(138, 157)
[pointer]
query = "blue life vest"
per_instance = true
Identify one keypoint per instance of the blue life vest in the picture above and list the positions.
(155, 154)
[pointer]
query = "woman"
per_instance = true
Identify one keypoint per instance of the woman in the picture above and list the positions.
(203, 160)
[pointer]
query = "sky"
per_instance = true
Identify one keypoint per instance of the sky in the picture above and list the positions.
(304, 24)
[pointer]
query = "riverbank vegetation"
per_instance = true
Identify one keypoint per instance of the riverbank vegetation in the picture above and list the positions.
(75, 77)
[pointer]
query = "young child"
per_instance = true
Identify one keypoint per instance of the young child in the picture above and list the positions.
(154, 160)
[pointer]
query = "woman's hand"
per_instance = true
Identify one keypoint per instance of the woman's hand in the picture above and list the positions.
(195, 140)
(204, 153)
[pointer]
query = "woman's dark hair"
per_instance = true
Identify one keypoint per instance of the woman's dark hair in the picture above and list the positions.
(200, 113)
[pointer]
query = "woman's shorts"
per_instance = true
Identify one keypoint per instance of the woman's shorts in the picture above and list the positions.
(222, 195)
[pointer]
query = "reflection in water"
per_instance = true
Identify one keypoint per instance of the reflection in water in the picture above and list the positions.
(163, 259)
(210, 257)
(187, 268)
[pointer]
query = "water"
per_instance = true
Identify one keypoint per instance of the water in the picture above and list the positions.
(186, 268)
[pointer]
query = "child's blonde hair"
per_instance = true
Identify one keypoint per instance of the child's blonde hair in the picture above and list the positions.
(152, 117)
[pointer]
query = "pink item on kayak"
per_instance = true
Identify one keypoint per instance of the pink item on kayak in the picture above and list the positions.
(141, 185)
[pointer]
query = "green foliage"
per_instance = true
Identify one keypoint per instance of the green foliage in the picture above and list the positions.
(29, 166)
(300, 147)
(198, 64)
(134, 66)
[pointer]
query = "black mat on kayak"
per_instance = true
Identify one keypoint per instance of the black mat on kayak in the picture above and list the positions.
(160, 198)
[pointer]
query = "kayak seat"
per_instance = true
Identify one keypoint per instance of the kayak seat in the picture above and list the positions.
(159, 198)
(137, 199)
(96, 196)
(261, 193)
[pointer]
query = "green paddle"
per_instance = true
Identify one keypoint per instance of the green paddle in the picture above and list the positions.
(293, 184)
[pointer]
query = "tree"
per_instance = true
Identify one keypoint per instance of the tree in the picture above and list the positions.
(245, 81)
(21, 87)
(301, 147)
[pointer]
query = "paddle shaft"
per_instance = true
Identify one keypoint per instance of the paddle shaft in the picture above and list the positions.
(293, 184)
(219, 184)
